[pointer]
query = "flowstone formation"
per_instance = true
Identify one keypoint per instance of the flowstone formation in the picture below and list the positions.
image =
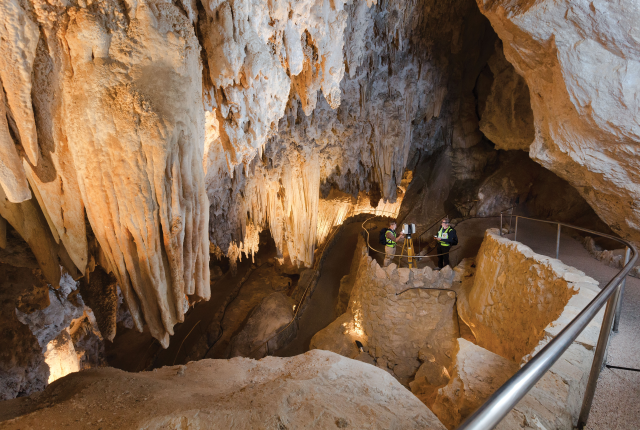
(105, 104)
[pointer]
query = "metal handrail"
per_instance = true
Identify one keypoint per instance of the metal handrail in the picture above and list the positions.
(510, 218)
(511, 392)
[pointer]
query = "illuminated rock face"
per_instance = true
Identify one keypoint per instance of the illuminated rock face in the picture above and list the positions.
(140, 136)
(401, 316)
(174, 130)
(580, 62)
(118, 133)
(398, 99)
(217, 394)
(514, 295)
(515, 302)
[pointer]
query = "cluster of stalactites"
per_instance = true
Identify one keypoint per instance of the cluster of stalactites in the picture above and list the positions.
(107, 119)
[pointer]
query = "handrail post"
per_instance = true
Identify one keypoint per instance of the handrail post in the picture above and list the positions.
(500, 223)
(599, 358)
(616, 320)
(510, 220)
(558, 243)
(515, 236)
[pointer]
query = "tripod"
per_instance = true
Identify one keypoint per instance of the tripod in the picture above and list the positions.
(408, 243)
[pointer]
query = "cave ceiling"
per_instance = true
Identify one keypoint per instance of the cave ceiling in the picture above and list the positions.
(144, 136)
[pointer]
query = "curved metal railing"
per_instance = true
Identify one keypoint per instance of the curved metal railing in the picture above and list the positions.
(512, 391)
(452, 250)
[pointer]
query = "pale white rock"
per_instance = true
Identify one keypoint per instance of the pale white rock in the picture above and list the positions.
(580, 61)
(48, 323)
(12, 177)
(147, 206)
(553, 403)
(19, 36)
(317, 390)
(477, 373)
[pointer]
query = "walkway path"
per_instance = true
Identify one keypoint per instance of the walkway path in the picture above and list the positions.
(616, 405)
(320, 311)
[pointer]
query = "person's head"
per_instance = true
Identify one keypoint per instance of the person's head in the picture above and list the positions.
(445, 222)
(393, 225)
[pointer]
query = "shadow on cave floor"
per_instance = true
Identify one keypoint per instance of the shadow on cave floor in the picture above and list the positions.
(320, 311)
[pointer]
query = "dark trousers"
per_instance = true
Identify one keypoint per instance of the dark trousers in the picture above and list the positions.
(443, 260)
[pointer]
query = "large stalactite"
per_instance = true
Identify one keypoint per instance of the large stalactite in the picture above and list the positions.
(141, 135)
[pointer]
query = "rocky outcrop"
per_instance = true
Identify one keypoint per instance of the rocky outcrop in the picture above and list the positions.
(477, 373)
(514, 294)
(505, 300)
(66, 330)
(553, 403)
(401, 316)
(22, 367)
(507, 119)
(319, 388)
(118, 132)
(577, 60)
(269, 327)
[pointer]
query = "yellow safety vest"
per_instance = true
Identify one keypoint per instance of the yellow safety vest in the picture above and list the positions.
(390, 242)
(444, 234)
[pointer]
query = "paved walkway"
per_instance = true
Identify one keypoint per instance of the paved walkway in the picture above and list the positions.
(616, 405)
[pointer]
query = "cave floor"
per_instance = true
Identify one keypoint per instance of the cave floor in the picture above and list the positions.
(320, 311)
(617, 400)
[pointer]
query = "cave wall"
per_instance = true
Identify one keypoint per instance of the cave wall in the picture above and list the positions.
(133, 133)
(141, 136)
(580, 61)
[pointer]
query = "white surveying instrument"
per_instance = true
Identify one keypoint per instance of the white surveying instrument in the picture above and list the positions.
(408, 230)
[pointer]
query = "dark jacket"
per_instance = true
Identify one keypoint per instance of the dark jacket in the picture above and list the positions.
(453, 237)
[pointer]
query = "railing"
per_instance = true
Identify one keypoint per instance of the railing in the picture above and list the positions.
(512, 391)
(449, 252)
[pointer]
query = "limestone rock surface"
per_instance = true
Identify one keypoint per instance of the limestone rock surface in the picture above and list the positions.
(507, 119)
(477, 374)
(400, 315)
(579, 60)
(514, 294)
(316, 390)
(484, 297)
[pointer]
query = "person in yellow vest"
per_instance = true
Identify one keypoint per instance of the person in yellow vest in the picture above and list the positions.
(446, 238)
(390, 243)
